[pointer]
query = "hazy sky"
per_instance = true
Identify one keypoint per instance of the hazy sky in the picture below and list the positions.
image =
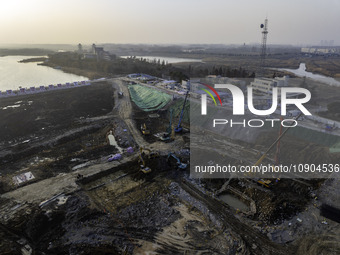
(168, 21)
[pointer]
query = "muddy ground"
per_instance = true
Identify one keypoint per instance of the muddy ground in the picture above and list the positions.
(117, 209)
(69, 128)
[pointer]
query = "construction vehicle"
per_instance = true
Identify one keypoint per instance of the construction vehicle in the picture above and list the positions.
(179, 128)
(144, 130)
(180, 165)
(265, 182)
(142, 156)
(142, 165)
(169, 135)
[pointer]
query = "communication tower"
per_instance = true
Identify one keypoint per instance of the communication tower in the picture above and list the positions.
(264, 28)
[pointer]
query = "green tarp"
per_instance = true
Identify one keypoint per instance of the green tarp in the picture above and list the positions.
(148, 99)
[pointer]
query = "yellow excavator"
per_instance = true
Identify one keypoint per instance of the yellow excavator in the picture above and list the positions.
(265, 182)
(141, 160)
(144, 130)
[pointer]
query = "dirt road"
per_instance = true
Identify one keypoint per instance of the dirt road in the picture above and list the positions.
(124, 108)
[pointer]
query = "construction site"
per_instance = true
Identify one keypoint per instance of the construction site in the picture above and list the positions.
(104, 169)
(107, 168)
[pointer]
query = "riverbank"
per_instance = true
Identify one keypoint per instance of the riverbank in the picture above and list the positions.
(90, 74)
(24, 52)
(29, 60)
(302, 72)
(329, 66)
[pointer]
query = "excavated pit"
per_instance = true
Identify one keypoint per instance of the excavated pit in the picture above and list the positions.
(116, 208)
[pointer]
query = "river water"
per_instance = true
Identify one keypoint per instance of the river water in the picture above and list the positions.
(301, 72)
(234, 202)
(14, 74)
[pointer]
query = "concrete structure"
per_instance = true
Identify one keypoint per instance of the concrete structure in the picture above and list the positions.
(213, 79)
(266, 85)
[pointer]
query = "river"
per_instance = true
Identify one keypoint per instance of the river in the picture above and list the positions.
(301, 72)
(14, 74)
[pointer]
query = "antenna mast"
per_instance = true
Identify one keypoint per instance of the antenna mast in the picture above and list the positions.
(264, 46)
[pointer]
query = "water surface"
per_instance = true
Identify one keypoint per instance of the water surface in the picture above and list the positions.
(234, 202)
(301, 72)
(14, 74)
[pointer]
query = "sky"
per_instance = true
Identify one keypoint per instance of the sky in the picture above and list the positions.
(297, 22)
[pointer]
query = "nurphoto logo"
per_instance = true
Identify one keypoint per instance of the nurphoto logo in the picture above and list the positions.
(239, 105)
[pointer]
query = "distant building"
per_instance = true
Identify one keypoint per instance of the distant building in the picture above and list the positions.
(266, 85)
(89, 56)
(93, 49)
(213, 79)
(321, 50)
(99, 53)
(80, 49)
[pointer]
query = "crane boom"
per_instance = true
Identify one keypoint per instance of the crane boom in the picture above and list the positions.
(179, 128)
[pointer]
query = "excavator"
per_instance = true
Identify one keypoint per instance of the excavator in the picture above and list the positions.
(265, 182)
(142, 155)
(144, 130)
(180, 165)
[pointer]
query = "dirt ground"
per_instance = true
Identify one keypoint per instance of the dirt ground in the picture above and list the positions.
(79, 203)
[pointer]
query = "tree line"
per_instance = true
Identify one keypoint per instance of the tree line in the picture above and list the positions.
(155, 67)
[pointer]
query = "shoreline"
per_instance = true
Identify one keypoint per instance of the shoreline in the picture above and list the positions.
(32, 60)
(44, 89)
(44, 61)
(90, 74)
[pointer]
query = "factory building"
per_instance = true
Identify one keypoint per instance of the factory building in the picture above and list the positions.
(266, 85)
(96, 53)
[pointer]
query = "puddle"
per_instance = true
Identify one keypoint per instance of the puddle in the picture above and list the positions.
(81, 165)
(113, 142)
(10, 106)
(234, 202)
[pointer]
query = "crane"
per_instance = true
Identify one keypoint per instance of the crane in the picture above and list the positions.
(179, 128)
